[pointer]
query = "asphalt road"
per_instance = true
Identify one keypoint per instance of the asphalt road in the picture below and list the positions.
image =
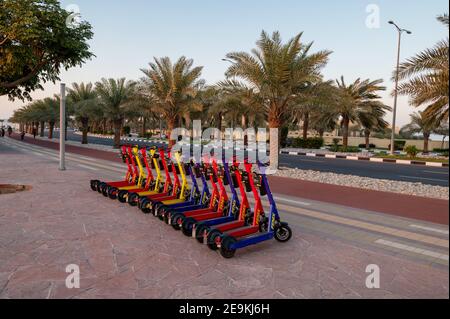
(395, 172)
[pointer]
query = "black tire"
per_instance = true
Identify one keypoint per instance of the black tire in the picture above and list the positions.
(283, 233)
(100, 187)
(144, 206)
(187, 226)
(104, 190)
(199, 232)
(177, 221)
(122, 196)
(112, 192)
(162, 211)
(212, 237)
(94, 185)
(225, 249)
(133, 199)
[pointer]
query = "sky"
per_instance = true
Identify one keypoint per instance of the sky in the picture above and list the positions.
(128, 34)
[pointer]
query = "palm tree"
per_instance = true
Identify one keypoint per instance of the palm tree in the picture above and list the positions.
(85, 103)
(174, 87)
(277, 72)
(115, 97)
(442, 130)
(314, 97)
(373, 120)
(421, 122)
(354, 99)
(427, 78)
(51, 113)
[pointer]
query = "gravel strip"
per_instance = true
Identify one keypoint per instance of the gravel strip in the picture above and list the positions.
(415, 189)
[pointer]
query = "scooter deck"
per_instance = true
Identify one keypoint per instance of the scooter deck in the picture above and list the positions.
(119, 184)
(125, 188)
(230, 225)
(154, 196)
(144, 192)
(170, 201)
(242, 231)
(198, 212)
(207, 216)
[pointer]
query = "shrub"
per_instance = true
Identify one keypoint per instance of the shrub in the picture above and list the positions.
(440, 150)
(146, 135)
(348, 149)
(364, 146)
(411, 150)
(398, 145)
(311, 143)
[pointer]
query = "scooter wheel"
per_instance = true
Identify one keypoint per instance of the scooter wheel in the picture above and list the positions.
(187, 226)
(161, 212)
(100, 187)
(213, 237)
(94, 184)
(122, 196)
(177, 221)
(283, 233)
(199, 233)
(145, 206)
(133, 199)
(112, 192)
(105, 190)
(225, 250)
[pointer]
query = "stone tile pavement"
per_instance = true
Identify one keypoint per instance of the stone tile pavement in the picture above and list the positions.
(124, 254)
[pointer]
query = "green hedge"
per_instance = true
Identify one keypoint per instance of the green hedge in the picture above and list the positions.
(312, 142)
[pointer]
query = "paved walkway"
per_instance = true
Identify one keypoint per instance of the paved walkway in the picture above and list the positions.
(124, 254)
(426, 209)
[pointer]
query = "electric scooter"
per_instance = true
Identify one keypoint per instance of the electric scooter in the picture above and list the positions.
(114, 190)
(161, 186)
(262, 228)
(180, 196)
(197, 200)
(128, 176)
(145, 201)
(218, 204)
(191, 225)
(202, 230)
(103, 187)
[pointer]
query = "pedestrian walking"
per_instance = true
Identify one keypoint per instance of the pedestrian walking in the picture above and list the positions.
(3, 132)
(9, 131)
(22, 135)
(34, 132)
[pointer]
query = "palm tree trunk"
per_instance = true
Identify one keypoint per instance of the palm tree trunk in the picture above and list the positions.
(367, 137)
(426, 137)
(219, 121)
(305, 125)
(144, 126)
(117, 125)
(51, 126)
(171, 122)
(274, 143)
(345, 125)
(321, 132)
(42, 133)
(85, 128)
(244, 122)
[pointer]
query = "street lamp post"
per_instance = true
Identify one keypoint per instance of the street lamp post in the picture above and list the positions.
(394, 111)
(62, 131)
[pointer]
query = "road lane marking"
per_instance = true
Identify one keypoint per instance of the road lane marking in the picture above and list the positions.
(413, 249)
(424, 178)
(87, 167)
(433, 172)
(430, 229)
(368, 226)
(292, 201)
